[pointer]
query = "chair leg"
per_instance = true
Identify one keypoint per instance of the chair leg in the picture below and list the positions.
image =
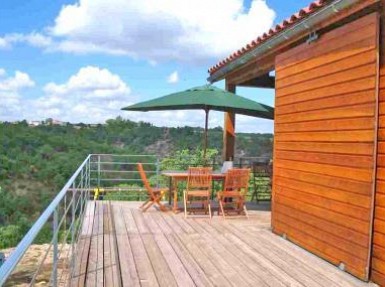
(161, 205)
(185, 204)
(148, 204)
(246, 212)
(209, 206)
(147, 207)
(222, 209)
(147, 201)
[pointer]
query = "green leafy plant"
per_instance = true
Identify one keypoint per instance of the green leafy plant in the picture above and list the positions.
(182, 159)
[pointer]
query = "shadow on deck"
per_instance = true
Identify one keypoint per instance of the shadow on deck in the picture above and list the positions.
(121, 246)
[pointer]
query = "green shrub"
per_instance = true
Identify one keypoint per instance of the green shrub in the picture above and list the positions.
(10, 235)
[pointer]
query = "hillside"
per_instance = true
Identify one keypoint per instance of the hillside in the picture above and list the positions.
(35, 162)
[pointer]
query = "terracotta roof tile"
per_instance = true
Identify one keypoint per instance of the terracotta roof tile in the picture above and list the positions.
(278, 28)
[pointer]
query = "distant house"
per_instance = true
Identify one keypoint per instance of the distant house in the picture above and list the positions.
(58, 123)
(327, 66)
(35, 123)
(53, 122)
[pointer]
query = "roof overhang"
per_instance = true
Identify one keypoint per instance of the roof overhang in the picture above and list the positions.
(304, 25)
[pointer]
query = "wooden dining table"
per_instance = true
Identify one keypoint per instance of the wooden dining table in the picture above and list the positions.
(179, 176)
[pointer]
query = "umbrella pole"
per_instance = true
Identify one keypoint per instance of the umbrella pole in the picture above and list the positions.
(206, 130)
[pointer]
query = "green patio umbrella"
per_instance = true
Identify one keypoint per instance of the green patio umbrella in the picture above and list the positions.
(205, 98)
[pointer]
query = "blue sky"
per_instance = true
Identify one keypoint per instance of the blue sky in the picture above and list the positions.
(84, 60)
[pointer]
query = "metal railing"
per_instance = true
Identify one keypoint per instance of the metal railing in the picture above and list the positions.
(62, 220)
(117, 176)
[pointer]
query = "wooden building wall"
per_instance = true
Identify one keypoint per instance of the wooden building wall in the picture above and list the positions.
(324, 151)
(378, 254)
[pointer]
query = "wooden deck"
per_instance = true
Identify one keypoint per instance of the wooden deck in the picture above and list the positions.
(121, 246)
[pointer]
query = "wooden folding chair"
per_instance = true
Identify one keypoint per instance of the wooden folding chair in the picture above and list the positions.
(198, 189)
(154, 194)
(233, 197)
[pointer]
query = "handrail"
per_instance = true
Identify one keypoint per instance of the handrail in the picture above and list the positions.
(122, 155)
(9, 265)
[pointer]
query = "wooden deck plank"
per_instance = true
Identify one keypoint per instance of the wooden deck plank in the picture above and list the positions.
(256, 271)
(100, 252)
(83, 246)
(201, 258)
(293, 261)
(321, 266)
(306, 268)
(262, 263)
(176, 228)
(191, 266)
(185, 227)
(243, 276)
(285, 263)
(160, 266)
(129, 248)
(128, 272)
(143, 264)
(107, 262)
(178, 270)
(93, 255)
(114, 249)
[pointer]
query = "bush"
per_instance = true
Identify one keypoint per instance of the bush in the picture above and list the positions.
(182, 159)
(10, 236)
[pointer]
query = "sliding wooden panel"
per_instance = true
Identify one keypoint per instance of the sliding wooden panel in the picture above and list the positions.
(324, 153)
(378, 252)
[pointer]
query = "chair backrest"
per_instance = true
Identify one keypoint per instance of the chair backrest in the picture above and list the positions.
(199, 178)
(143, 176)
(237, 179)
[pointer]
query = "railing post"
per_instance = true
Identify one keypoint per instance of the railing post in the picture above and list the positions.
(55, 248)
(98, 171)
(74, 191)
(157, 171)
(65, 217)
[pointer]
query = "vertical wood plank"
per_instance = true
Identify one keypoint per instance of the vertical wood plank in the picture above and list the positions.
(229, 130)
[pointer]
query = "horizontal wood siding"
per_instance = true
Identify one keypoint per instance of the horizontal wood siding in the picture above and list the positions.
(325, 133)
(378, 252)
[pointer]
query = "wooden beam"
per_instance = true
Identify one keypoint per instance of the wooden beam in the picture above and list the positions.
(251, 70)
(229, 130)
(264, 81)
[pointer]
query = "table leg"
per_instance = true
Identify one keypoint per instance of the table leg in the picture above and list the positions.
(169, 190)
(175, 196)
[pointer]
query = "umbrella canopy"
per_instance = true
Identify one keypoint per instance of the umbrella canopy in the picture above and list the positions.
(207, 98)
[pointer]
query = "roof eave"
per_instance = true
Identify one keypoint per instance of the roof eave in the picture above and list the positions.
(305, 24)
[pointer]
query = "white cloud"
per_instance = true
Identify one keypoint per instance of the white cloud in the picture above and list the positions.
(33, 39)
(173, 78)
(14, 84)
(3, 43)
(153, 30)
(93, 83)
(11, 104)
(161, 30)
(91, 95)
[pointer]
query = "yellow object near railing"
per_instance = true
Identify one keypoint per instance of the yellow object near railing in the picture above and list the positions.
(97, 192)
